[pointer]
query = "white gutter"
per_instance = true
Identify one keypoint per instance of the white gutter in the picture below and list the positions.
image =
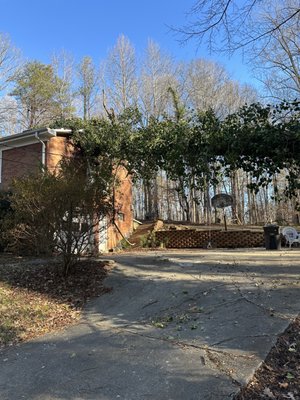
(53, 133)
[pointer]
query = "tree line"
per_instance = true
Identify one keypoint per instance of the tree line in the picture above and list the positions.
(35, 94)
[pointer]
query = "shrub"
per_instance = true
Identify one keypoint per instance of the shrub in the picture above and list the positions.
(58, 212)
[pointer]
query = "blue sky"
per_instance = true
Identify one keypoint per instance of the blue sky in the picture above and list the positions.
(91, 27)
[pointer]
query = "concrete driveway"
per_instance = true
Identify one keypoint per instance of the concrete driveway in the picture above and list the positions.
(187, 325)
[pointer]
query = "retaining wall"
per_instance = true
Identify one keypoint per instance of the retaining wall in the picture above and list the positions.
(200, 239)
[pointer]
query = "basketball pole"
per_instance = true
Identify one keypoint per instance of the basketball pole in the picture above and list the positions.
(225, 222)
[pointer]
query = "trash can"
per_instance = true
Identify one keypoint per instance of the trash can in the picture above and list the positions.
(272, 237)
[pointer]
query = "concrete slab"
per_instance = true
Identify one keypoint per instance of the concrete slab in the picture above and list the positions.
(177, 325)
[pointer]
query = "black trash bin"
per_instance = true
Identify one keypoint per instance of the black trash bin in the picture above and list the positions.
(272, 237)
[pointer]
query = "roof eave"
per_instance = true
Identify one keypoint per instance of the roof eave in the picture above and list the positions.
(25, 136)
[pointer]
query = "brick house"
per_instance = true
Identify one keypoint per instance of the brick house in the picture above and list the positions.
(25, 152)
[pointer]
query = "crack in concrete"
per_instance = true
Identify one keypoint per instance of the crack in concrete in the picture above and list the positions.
(181, 344)
(195, 296)
(222, 368)
(210, 352)
(270, 311)
(150, 304)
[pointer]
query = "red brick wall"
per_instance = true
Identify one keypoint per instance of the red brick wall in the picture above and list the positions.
(56, 148)
(25, 160)
(200, 239)
(20, 161)
(123, 203)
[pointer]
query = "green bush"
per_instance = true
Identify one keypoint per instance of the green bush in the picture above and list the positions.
(149, 240)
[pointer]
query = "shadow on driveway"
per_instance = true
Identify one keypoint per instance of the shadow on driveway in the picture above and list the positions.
(177, 325)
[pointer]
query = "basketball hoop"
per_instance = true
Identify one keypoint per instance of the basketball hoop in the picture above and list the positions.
(222, 200)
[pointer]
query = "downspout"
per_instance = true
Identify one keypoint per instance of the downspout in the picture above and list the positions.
(43, 149)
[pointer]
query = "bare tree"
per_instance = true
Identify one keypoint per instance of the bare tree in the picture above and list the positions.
(207, 85)
(88, 85)
(8, 116)
(120, 73)
(234, 95)
(10, 60)
(63, 67)
(228, 24)
(157, 76)
(277, 59)
(203, 83)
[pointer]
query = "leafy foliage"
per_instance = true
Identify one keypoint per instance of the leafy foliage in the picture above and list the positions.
(263, 140)
(196, 148)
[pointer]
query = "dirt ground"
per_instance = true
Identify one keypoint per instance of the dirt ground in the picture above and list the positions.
(36, 299)
(279, 376)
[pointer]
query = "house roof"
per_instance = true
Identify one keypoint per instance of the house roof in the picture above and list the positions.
(32, 135)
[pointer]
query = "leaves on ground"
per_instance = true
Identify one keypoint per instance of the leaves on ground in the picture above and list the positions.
(279, 375)
(36, 299)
